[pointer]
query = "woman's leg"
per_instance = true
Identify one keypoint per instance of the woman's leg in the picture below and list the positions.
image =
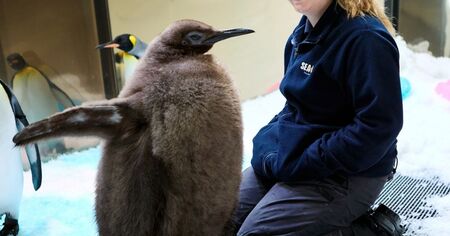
(312, 207)
(252, 190)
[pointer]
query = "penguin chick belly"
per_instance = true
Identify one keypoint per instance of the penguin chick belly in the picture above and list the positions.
(198, 134)
(11, 170)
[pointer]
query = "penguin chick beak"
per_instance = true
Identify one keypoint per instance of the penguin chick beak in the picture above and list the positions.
(107, 45)
(221, 35)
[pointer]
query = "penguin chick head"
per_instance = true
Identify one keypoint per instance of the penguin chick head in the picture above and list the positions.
(194, 37)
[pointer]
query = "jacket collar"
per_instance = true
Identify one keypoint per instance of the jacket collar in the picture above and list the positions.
(305, 33)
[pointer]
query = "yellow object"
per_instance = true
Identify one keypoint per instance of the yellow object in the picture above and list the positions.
(133, 40)
(126, 66)
(34, 94)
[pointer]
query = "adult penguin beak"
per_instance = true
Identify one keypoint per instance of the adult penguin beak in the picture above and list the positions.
(221, 35)
(107, 45)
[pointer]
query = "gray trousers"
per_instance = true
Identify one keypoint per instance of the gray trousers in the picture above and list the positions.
(316, 207)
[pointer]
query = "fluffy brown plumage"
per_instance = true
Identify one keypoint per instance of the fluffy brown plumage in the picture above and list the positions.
(172, 149)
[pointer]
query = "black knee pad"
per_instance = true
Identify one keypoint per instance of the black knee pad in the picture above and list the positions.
(382, 221)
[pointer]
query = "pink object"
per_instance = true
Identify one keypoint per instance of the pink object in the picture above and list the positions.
(443, 89)
(273, 87)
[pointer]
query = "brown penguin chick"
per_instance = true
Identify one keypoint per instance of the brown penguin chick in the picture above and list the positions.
(172, 150)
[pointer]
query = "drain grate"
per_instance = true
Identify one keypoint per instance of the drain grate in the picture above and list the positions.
(406, 196)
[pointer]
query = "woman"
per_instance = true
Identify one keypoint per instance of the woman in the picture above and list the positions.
(323, 160)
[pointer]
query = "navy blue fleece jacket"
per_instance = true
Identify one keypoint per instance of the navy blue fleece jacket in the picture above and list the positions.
(344, 107)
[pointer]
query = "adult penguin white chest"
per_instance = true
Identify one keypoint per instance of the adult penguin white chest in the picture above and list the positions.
(12, 119)
(11, 170)
(132, 48)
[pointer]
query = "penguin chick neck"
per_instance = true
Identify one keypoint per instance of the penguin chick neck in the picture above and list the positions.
(186, 38)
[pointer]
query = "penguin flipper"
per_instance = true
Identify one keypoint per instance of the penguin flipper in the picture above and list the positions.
(62, 97)
(32, 151)
(93, 120)
(34, 158)
(35, 164)
(64, 101)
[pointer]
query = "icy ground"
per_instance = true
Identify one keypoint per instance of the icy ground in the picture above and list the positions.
(64, 204)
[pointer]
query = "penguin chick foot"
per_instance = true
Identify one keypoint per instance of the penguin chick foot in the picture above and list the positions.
(10, 228)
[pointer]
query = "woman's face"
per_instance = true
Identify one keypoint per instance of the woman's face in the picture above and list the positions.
(309, 6)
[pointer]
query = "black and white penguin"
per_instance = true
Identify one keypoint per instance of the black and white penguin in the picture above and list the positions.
(13, 119)
(132, 48)
(172, 147)
(128, 43)
(38, 96)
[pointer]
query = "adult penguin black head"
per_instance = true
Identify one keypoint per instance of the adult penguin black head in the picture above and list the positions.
(128, 43)
(16, 61)
(190, 37)
(123, 42)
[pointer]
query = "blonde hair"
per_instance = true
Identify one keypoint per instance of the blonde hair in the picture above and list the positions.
(356, 8)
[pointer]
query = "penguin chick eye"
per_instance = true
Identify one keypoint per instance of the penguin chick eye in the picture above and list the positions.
(193, 38)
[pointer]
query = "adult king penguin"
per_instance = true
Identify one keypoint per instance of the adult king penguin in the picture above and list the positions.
(11, 169)
(132, 48)
(128, 43)
(38, 96)
(172, 155)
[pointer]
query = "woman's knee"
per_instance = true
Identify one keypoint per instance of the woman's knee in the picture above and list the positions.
(250, 227)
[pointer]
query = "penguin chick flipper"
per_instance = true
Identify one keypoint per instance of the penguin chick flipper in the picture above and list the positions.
(96, 120)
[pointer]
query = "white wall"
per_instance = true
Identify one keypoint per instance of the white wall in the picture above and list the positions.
(255, 61)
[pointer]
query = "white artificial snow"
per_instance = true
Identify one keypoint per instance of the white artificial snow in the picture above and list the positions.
(438, 225)
(424, 142)
(424, 149)
(64, 205)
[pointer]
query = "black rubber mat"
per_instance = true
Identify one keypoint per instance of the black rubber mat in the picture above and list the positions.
(406, 196)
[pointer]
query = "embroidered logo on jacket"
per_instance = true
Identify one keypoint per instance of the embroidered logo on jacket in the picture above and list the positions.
(307, 68)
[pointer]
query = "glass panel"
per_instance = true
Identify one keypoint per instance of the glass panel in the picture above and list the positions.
(48, 56)
(421, 20)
